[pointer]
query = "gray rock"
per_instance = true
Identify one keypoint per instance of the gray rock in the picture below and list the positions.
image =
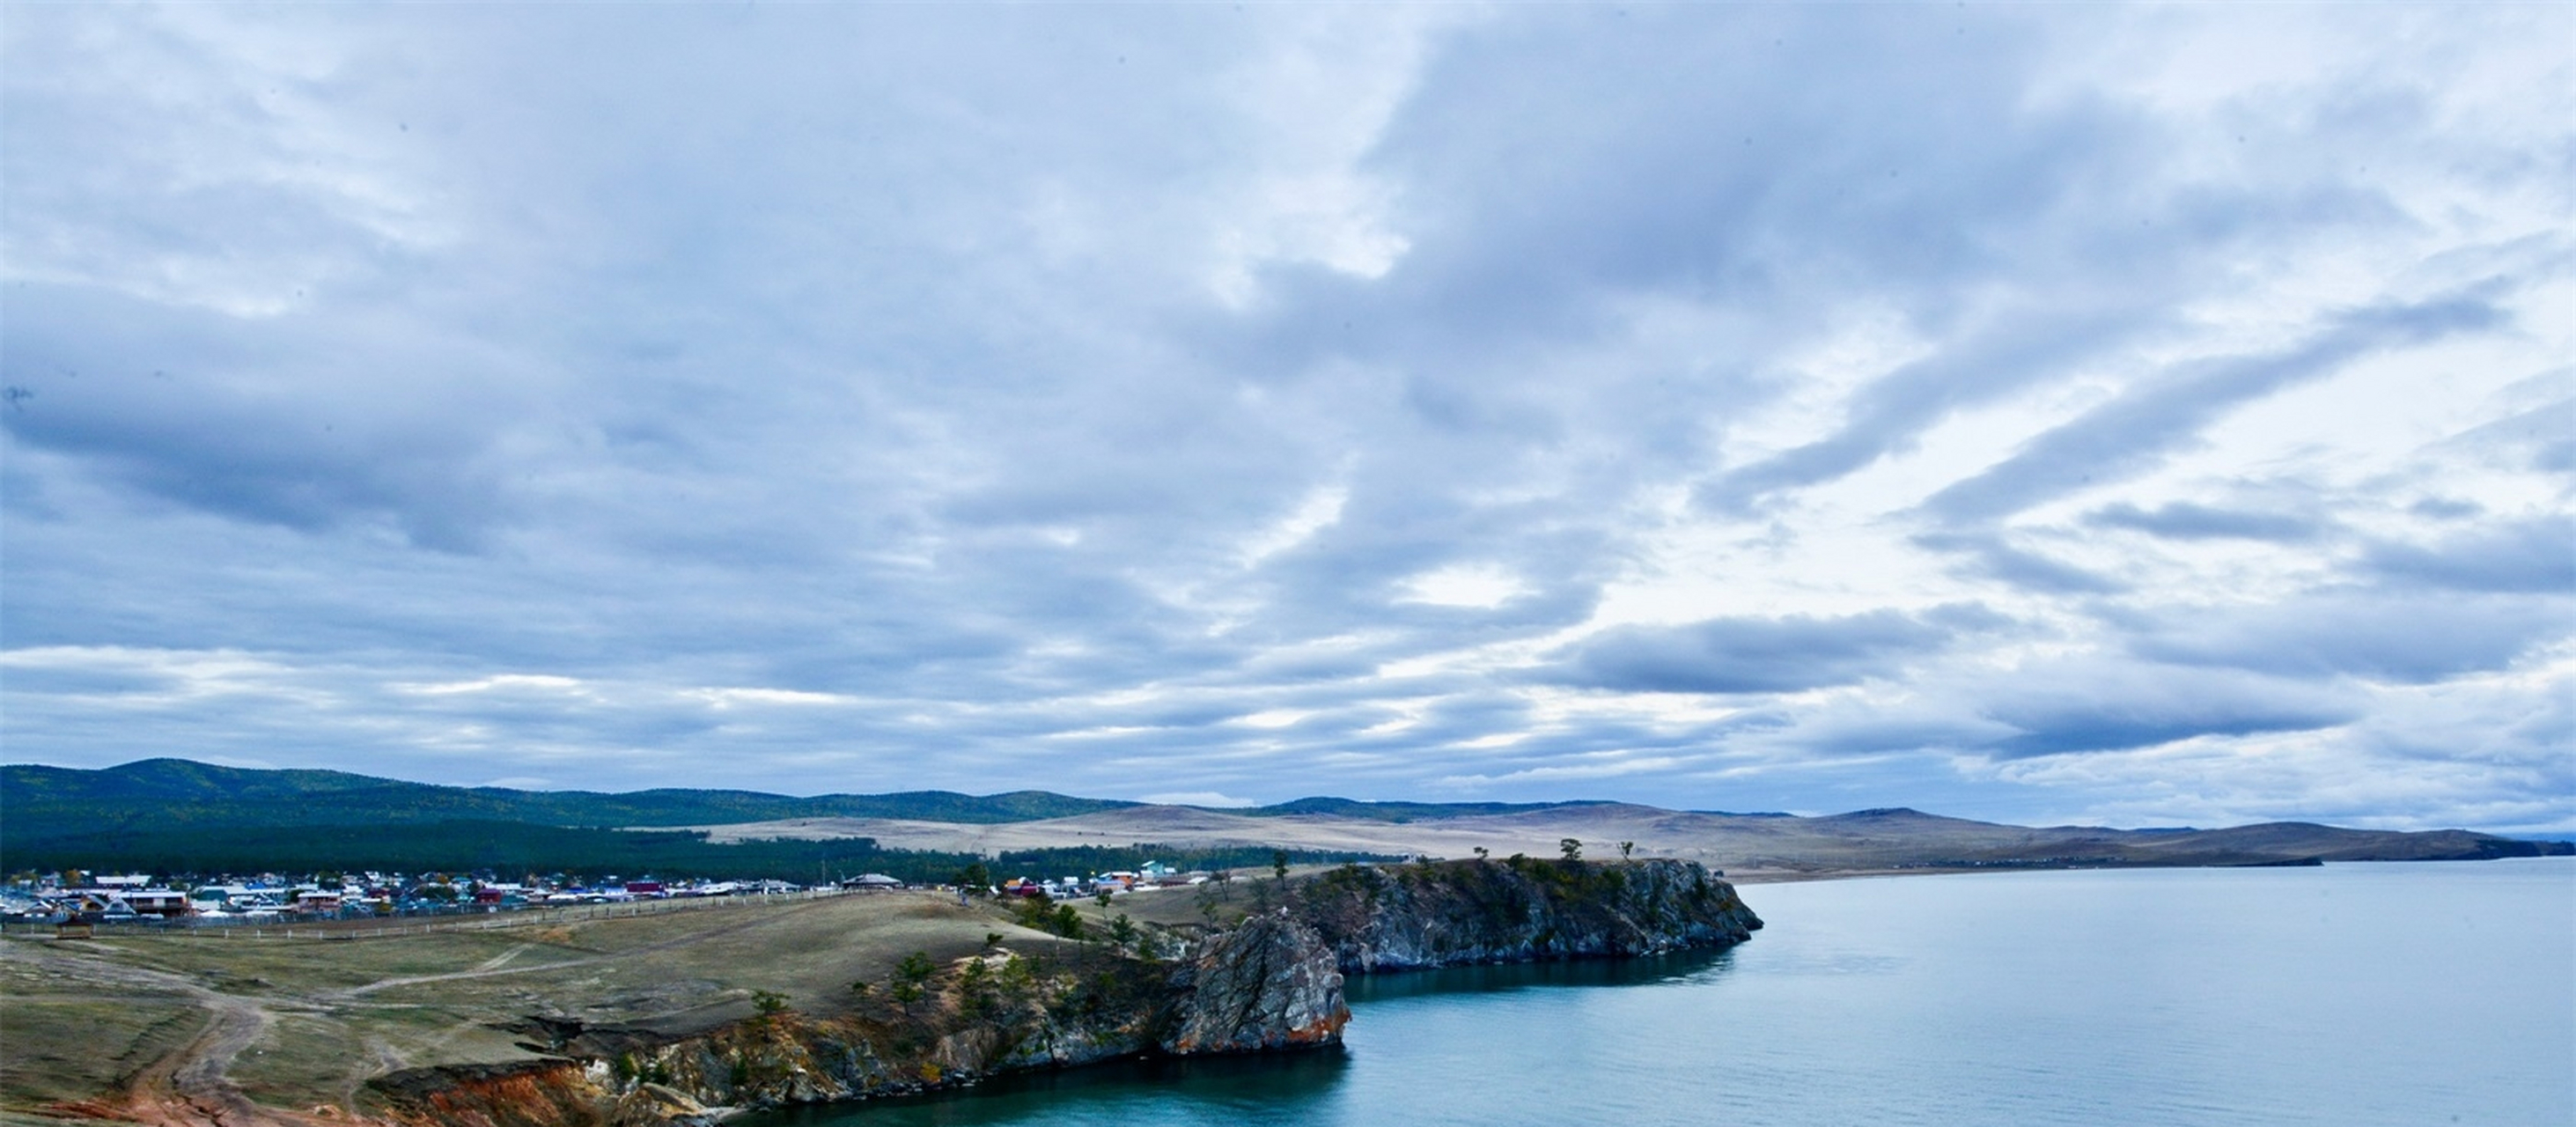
(1268, 984)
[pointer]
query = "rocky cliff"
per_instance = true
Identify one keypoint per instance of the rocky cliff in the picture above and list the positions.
(1266, 984)
(1273, 981)
(1385, 918)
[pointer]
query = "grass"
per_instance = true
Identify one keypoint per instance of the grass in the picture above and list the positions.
(84, 1016)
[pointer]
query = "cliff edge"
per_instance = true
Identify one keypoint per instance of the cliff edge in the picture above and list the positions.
(1390, 918)
(1271, 982)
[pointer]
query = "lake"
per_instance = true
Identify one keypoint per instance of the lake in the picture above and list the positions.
(2398, 994)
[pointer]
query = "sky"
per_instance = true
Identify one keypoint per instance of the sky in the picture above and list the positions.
(2054, 414)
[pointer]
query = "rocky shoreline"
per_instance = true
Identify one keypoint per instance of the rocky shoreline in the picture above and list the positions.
(1272, 982)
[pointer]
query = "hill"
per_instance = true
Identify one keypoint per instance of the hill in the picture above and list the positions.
(169, 814)
(51, 801)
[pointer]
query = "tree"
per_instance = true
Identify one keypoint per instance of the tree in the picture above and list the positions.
(1572, 848)
(912, 979)
(974, 879)
(1626, 848)
(1482, 853)
(768, 1003)
(975, 988)
(1279, 864)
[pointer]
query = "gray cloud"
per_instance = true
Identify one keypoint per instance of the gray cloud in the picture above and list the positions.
(2536, 555)
(2183, 520)
(1761, 655)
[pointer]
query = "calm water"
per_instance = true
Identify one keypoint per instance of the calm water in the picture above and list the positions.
(2399, 994)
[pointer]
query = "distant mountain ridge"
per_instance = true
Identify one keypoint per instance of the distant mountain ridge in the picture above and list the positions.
(39, 801)
(70, 808)
(47, 801)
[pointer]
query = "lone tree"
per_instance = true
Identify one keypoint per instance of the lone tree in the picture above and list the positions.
(1626, 848)
(1572, 848)
(912, 979)
(1279, 864)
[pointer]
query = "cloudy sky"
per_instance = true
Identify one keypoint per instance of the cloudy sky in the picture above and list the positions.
(2136, 416)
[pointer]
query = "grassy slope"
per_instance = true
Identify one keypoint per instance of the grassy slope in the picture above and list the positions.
(336, 1013)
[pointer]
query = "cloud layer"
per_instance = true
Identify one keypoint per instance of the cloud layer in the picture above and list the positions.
(2096, 414)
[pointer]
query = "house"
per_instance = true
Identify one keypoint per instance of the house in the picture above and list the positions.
(167, 903)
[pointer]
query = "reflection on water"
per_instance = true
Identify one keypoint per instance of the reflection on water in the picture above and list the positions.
(1248, 1090)
(1651, 970)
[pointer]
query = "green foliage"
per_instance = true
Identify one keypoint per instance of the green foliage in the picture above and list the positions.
(916, 968)
(1571, 847)
(1279, 864)
(975, 989)
(911, 980)
(768, 1003)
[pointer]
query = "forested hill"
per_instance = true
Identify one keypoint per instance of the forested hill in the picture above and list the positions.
(48, 802)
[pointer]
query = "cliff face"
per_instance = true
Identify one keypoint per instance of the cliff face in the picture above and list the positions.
(1272, 982)
(1403, 917)
(1267, 984)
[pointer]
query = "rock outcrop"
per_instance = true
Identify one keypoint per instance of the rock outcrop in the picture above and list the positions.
(1272, 982)
(1268, 984)
(1388, 918)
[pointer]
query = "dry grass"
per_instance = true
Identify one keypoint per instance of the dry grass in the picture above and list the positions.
(83, 1018)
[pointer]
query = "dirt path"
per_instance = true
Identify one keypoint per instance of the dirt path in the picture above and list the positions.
(499, 964)
(188, 1084)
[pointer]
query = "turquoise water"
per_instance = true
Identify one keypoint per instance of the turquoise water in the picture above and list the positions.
(2398, 994)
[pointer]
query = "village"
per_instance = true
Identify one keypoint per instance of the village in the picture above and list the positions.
(76, 899)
